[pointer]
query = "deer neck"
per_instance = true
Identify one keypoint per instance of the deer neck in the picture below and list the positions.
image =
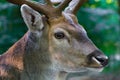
(43, 74)
(37, 61)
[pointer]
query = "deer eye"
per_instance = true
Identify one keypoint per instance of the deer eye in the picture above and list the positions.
(59, 35)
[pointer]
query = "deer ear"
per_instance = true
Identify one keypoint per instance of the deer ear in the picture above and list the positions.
(32, 18)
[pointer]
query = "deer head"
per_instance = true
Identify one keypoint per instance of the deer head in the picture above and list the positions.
(66, 41)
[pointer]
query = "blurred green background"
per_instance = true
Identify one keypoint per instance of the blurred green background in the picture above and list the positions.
(100, 18)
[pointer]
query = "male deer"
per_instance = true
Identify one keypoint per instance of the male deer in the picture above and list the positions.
(54, 45)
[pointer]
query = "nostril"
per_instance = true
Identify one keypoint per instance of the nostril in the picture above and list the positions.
(98, 57)
(102, 59)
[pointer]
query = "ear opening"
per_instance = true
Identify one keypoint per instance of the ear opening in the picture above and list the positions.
(32, 18)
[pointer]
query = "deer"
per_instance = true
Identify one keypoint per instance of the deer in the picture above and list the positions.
(54, 46)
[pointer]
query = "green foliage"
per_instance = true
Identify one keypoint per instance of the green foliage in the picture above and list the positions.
(12, 26)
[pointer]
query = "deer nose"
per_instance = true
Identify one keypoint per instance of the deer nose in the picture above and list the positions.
(102, 59)
(99, 57)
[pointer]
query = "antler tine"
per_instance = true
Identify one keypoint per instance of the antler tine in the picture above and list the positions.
(63, 4)
(18, 2)
(48, 9)
(35, 5)
(81, 2)
(48, 2)
(56, 1)
(74, 6)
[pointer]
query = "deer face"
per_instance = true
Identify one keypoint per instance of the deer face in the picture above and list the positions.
(70, 47)
(67, 43)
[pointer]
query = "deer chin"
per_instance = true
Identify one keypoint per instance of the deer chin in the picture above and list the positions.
(95, 69)
(84, 69)
(76, 70)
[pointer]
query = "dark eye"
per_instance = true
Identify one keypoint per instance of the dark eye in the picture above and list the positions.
(59, 35)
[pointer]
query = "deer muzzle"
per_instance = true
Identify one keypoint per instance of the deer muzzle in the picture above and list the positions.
(97, 59)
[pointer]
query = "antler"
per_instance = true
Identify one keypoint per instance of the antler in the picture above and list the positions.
(48, 9)
(56, 1)
(74, 6)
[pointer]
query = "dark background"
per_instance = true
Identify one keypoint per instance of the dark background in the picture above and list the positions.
(100, 18)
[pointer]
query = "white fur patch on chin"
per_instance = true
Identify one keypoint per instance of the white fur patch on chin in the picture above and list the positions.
(95, 69)
(81, 71)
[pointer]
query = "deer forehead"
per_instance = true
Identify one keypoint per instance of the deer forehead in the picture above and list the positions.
(67, 23)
